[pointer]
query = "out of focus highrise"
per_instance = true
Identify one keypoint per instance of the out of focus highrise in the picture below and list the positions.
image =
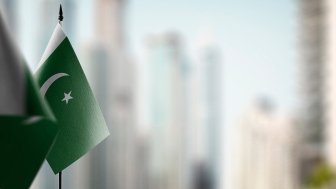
(317, 52)
(330, 86)
(212, 64)
(169, 75)
(267, 153)
(312, 87)
(114, 81)
(312, 58)
(206, 116)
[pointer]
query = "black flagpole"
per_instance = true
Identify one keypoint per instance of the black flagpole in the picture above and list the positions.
(60, 180)
(60, 16)
(60, 19)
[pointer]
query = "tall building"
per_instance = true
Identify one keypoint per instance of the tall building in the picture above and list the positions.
(267, 153)
(206, 112)
(312, 66)
(312, 58)
(330, 88)
(169, 78)
(113, 78)
(213, 89)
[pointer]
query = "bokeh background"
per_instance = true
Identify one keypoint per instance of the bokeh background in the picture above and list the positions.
(216, 94)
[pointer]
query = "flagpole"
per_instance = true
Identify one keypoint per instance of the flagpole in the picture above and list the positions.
(60, 180)
(60, 19)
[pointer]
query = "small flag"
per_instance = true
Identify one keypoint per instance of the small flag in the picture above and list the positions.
(65, 87)
(27, 129)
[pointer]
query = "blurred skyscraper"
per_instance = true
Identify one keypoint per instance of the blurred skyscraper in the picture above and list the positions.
(169, 78)
(312, 65)
(318, 56)
(213, 89)
(330, 89)
(113, 77)
(267, 150)
(206, 114)
(312, 57)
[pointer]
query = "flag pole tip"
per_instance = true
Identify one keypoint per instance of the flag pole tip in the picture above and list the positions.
(60, 17)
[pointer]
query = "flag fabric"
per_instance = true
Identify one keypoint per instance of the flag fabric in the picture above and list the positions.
(65, 87)
(27, 126)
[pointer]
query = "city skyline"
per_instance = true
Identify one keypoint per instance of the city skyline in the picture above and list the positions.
(241, 31)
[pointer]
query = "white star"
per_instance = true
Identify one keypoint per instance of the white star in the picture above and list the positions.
(67, 97)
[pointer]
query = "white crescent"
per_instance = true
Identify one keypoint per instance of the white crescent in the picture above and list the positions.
(50, 81)
(43, 91)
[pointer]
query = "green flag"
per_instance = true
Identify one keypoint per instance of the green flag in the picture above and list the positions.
(27, 129)
(65, 87)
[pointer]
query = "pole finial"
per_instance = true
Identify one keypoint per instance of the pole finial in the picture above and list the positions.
(60, 17)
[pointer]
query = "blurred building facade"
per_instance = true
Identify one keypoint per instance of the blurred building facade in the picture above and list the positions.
(213, 88)
(267, 153)
(169, 111)
(312, 58)
(330, 89)
(318, 57)
(113, 77)
(206, 114)
(312, 87)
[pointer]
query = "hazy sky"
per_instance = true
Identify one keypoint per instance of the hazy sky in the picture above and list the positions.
(257, 40)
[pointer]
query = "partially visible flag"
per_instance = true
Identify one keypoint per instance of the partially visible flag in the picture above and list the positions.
(65, 87)
(27, 129)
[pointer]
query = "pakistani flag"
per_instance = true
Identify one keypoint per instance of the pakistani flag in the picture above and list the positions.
(27, 129)
(65, 87)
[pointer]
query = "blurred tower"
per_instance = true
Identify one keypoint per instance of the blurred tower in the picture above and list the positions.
(169, 103)
(213, 103)
(113, 75)
(330, 89)
(312, 59)
(267, 155)
(207, 118)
